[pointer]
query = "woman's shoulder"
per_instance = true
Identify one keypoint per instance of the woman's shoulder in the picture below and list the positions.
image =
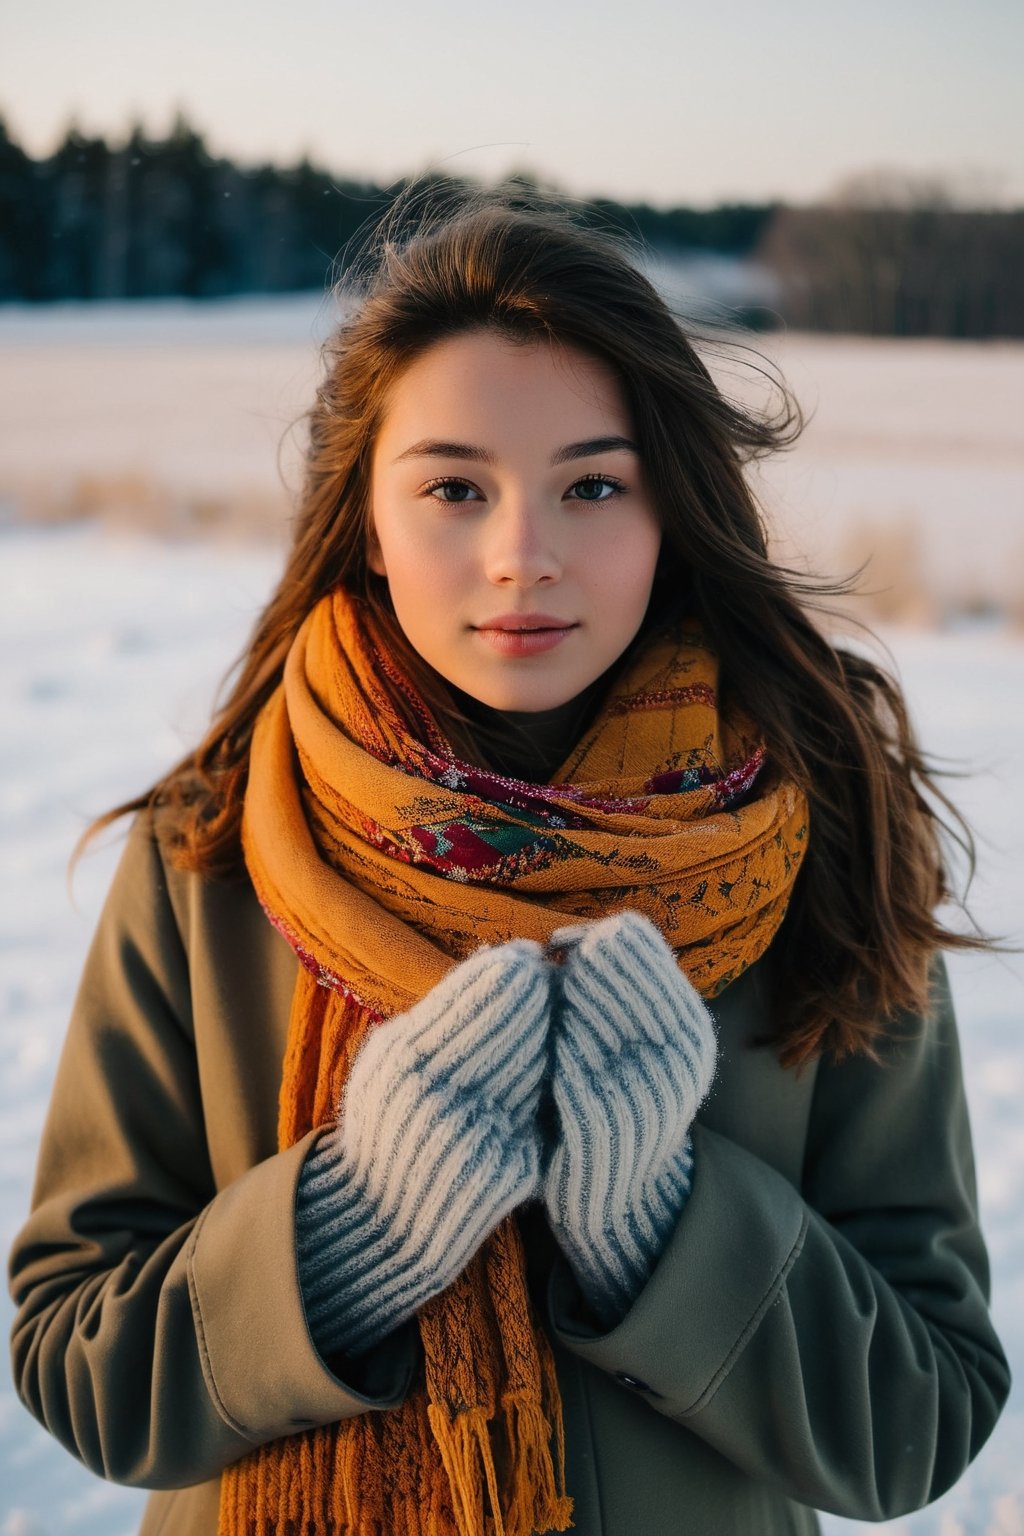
(179, 802)
(158, 872)
(195, 827)
(226, 949)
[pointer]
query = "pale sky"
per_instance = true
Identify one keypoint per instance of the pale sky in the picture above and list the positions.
(656, 99)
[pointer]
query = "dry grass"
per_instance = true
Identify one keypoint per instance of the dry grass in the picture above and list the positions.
(129, 502)
(895, 586)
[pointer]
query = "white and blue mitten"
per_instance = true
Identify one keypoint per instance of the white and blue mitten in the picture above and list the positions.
(634, 1056)
(436, 1142)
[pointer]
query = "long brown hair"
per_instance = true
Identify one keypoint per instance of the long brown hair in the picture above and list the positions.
(855, 946)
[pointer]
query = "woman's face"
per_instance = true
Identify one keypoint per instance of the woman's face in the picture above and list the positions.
(511, 518)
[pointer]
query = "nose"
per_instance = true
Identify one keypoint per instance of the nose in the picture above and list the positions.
(520, 547)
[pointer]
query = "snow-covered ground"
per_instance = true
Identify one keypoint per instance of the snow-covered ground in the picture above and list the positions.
(111, 646)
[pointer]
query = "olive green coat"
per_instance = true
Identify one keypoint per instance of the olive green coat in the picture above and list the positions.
(815, 1334)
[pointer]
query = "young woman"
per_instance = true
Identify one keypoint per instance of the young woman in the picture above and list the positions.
(514, 1084)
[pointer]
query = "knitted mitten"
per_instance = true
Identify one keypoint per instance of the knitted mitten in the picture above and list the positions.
(634, 1055)
(436, 1142)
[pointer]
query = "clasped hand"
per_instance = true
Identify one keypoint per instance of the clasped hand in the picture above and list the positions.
(440, 1127)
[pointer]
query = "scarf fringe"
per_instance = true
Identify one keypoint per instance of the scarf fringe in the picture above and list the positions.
(465, 1447)
(326, 1480)
(538, 1501)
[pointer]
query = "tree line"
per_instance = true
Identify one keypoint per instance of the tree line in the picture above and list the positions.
(160, 217)
(916, 268)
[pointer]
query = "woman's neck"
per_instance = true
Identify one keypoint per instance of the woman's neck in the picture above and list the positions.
(530, 744)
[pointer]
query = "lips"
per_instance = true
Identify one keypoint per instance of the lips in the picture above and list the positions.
(524, 634)
(520, 621)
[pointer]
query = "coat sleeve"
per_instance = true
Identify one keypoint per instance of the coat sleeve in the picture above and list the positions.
(834, 1341)
(160, 1332)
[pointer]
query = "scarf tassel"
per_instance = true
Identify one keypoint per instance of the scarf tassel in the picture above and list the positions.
(465, 1448)
(538, 1500)
(325, 1480)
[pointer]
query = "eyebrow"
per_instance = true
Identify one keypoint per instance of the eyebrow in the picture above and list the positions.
(433, 448)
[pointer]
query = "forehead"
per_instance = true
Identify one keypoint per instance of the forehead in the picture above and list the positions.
(484, 382)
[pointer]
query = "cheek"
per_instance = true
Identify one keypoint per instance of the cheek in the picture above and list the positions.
(626, 567)
(396, 550)
(425, 575)
(422, 564)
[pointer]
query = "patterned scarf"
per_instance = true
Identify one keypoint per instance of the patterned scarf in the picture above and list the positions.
(383, 860)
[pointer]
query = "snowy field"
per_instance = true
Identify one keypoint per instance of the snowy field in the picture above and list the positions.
(111, 646)
(181, 416)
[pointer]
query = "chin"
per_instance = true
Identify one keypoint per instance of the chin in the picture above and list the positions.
(521, 697)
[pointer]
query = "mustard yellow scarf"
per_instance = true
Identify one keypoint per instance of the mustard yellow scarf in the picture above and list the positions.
(384, 860)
